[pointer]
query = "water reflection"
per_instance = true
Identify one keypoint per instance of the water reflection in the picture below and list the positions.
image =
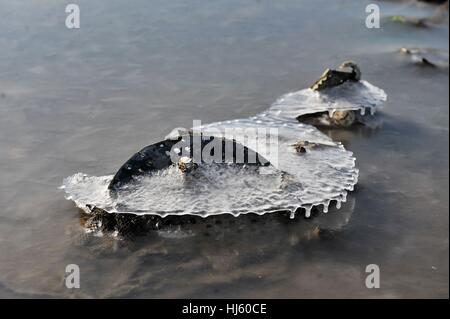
(206, 251)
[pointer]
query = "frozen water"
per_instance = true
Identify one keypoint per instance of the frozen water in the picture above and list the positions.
(357, 96)
(325, 172)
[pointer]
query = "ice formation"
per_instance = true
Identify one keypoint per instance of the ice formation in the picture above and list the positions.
(295, 181)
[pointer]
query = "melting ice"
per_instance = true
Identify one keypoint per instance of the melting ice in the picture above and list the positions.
(322, 174)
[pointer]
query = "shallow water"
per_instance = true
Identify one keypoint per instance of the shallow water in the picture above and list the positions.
(86, 100)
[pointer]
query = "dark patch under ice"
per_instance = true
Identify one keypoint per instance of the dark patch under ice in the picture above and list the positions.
(322, 174)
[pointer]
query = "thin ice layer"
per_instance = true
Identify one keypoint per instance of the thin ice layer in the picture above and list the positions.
(296, 180)
(212, 189)
(324, 173)
(357, 96)
(305, 180)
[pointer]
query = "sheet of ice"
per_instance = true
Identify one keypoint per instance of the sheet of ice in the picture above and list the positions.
(359, 96)
(322, 174)
(304, 180)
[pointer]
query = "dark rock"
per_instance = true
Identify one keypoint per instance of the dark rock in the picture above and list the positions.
(164, 154)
